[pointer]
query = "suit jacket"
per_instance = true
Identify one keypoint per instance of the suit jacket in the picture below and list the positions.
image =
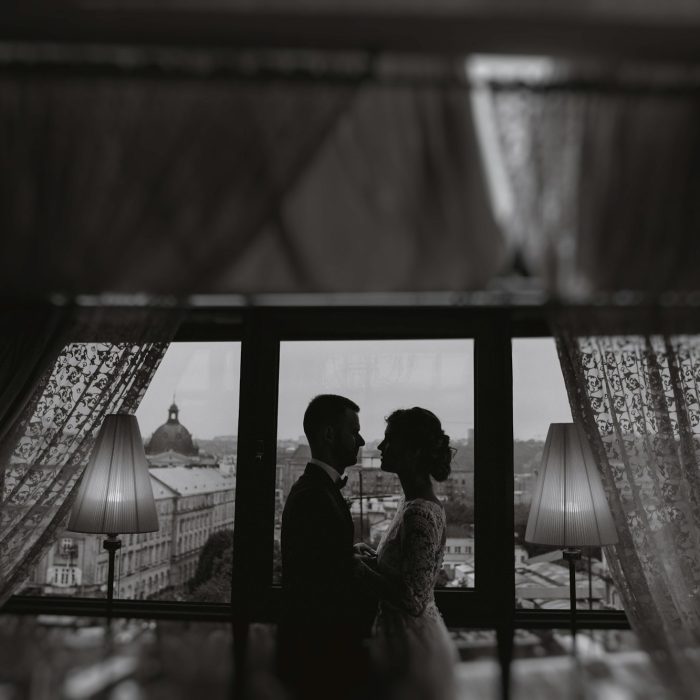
(319, 588)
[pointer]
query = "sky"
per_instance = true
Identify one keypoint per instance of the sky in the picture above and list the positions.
(379, 376)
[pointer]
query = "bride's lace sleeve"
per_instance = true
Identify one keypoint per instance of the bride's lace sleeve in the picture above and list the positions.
(419, 545)
(412, 589)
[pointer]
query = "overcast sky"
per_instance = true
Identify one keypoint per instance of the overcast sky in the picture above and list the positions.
(378, 375)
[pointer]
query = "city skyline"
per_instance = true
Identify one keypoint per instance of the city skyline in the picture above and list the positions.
(380, 376)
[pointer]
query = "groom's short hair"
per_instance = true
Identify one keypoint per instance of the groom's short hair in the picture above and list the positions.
(325, 409)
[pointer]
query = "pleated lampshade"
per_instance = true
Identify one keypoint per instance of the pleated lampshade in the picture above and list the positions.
(569, 508)
(115, 495)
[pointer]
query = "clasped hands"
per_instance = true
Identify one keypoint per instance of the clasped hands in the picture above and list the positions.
(364, 553)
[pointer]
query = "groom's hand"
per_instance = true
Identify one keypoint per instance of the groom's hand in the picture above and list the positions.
(364, 550)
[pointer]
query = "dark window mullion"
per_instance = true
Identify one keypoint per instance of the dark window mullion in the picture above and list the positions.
(493, 488)
(255, 467)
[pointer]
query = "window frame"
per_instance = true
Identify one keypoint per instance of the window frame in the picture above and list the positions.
(260, 330)
(275, 326)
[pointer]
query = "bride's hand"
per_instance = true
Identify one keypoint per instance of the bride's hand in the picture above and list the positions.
(364, 550)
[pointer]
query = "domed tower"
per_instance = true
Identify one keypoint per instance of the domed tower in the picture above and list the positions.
(172, 436)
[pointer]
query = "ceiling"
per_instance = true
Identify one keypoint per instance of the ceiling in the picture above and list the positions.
(640, 29)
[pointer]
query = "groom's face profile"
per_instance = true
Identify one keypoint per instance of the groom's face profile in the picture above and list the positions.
(346, 439)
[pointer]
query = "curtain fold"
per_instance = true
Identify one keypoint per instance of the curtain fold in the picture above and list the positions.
(134, 184)
(637, 397)
(186, 185)
(48, 445)
(395, 201)
(603, 176)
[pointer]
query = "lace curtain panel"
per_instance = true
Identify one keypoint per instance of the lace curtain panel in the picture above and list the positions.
(31, 340)
(638, 398)
(600, 176)
(49, 444)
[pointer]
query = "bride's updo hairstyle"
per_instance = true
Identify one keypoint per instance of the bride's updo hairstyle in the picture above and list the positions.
(421, 429)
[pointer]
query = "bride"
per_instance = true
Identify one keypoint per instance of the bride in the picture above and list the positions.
(412, 646)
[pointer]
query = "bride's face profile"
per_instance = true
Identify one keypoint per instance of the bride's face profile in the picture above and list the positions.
(397, 456)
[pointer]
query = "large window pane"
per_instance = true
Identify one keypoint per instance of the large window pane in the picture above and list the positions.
(381, 376)
(541, 575)
(188, 419)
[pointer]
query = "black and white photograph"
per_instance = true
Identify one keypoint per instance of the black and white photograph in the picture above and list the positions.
(350, 350)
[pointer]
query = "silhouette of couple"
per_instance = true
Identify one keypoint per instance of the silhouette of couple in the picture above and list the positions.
(357, 623)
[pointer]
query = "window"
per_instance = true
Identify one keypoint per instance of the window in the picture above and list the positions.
(456, 365)
(539, 398)
(381, 376)
(188, 419)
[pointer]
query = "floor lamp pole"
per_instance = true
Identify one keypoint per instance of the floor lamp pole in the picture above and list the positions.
(571, 554)
(111, 544)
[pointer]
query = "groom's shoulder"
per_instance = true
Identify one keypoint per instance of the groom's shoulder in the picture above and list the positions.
(307, 484)
(309, 490)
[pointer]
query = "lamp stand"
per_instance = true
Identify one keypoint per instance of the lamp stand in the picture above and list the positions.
(571, 554)
(111, 544)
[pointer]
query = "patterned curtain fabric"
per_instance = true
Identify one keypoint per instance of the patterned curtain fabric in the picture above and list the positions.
(638, 398)
(48, 447)
(602, 174)
(31, 340)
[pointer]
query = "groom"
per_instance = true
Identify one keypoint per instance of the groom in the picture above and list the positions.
(325, 614)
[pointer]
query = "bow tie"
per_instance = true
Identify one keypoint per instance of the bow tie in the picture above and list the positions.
(341, 482)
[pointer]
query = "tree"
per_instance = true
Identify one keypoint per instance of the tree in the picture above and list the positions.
(458, 512)
(211, 582)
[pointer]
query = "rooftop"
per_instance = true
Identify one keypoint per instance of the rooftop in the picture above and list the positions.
(186, 481)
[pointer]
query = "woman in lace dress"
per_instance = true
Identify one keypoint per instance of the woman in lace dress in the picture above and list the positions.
(413, 649)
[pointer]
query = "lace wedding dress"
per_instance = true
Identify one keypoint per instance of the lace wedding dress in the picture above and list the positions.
(412, 644)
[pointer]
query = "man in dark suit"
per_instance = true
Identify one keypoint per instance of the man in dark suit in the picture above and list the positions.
(325, 612)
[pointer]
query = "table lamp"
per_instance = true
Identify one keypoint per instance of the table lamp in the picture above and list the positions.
(115, 495)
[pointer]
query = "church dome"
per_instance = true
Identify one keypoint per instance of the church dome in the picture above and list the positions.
(172, 436)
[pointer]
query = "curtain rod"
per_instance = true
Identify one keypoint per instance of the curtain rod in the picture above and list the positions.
(366, 70)
(244, 66)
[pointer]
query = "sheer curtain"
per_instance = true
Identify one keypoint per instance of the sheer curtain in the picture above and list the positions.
(601, 172)
(601, 169)
(241, 173)
(394, 201)
(132, 184)
(638, 398)
(105, 370)
(32, 337)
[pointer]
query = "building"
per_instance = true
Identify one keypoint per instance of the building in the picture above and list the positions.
(202, 500)
(366, 479)
(194, 498)
(459, 545)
